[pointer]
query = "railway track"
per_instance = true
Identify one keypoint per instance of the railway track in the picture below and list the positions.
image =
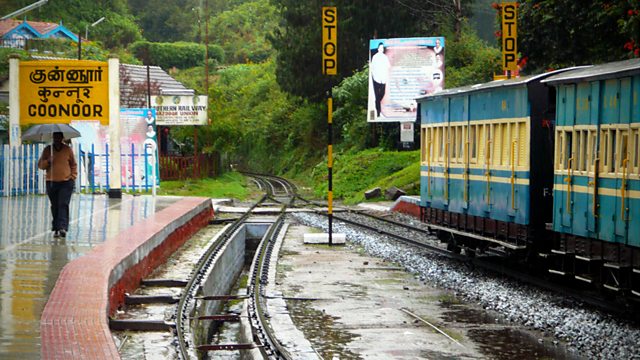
(282, 193)
(186, 318)
(424, 239)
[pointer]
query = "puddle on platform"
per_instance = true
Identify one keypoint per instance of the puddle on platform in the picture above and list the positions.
(508, 343)
(498, 341)
(468, 316)
(319, 329)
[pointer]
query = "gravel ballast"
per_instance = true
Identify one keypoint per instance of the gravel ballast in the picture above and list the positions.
(589, 333)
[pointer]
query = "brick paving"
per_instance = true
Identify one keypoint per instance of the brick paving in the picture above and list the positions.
(74, 322)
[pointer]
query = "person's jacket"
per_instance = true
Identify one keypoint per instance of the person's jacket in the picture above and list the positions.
(64, 163)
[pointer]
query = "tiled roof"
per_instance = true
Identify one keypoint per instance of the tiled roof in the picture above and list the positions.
(8, 25)
(133, 85)
(40, 26)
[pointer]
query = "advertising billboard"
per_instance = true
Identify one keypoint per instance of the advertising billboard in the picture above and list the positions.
(401, 70)
(139, 147)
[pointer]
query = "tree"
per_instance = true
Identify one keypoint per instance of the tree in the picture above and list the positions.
(242, 31)
(167, 20)
(562, 33)
(299, 39)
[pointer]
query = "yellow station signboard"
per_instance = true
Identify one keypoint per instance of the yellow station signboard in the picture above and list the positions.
(59, 91)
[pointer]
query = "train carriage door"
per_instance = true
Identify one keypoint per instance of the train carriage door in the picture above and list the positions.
(565, 156)
(469, 142)
(594, 144)
(623, 158)
(447, 151)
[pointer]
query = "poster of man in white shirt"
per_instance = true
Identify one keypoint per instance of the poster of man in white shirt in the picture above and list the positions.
(401, 70)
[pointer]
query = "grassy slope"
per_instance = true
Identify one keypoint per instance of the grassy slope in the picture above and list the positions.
(353, 174)
(229, 185)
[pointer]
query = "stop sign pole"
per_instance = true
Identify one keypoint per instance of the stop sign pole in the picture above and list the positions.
(330, 68)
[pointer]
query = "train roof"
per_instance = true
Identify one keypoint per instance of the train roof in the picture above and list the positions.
(597, 72)
(492, 84)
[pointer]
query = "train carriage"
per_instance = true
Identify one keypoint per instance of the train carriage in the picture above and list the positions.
(596, 208)
(486, 178)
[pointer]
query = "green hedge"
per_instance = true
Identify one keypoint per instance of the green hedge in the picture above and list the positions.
(182, 55)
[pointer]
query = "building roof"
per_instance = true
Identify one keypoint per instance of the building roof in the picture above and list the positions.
(133, 85)
(39, 29)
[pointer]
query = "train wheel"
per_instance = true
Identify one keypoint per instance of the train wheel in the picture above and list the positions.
(452, 244)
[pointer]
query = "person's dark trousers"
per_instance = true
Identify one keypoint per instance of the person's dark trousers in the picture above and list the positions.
(59, 193)
(378, 91)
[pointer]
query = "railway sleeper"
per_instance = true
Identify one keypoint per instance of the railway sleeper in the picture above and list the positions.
(150, 299)
(140, 325)
(222, 347)
(616, 276)
(635, 282)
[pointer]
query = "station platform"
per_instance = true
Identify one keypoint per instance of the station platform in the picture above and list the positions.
(56, 293)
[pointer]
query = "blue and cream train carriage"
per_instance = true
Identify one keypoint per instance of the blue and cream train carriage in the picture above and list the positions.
(486, 151)
(596, 189)
(548, 164)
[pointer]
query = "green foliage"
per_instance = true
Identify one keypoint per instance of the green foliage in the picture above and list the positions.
(299, 39)
(228, 185)
(350, 116)
(242, 31)
(354, 173)
(470, 60)
(117, 30)
(5, 53)
(181, 55)
(563, 33)
(167, 20)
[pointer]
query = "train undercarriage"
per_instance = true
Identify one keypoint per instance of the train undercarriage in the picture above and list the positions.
(609, 267)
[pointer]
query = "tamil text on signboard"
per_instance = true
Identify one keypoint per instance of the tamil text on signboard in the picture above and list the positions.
(59, 91)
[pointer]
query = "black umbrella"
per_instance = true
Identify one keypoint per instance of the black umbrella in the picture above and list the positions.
(44, 132)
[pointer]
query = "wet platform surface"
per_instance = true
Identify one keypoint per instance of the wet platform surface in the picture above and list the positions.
(31, 258)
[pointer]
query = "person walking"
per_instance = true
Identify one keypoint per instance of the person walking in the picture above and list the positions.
(61, 171)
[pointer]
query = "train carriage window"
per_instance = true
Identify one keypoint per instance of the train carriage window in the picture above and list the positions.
(497, 144)
(635, 147)
(582, 149)
(432, 144)
(593, 150)
(523, 140)
(506, 144)
(623, 151)
(576, 149)
(568, 142)
(440, 139)
(515, 140)
(473, 145)
(559, 152)
(455, 140)
(604, 147)
(608, 146)
(460, 144)
(423, 144)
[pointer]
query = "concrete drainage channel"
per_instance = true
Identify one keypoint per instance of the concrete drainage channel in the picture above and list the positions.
(145, 326)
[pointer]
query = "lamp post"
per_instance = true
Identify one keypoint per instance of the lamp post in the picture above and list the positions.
(86, 28)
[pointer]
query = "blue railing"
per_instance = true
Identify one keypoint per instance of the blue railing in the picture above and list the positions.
(19, 173)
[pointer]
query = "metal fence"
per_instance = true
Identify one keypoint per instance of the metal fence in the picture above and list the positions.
(19, 173)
